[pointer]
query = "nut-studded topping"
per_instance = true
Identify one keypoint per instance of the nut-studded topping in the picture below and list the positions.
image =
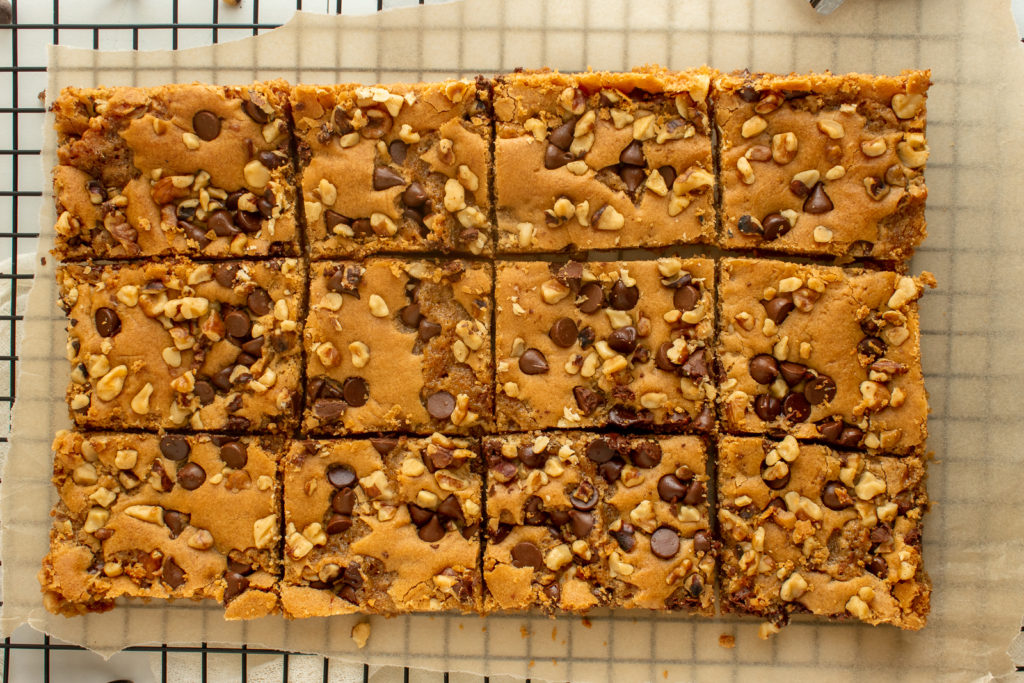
(907, 106)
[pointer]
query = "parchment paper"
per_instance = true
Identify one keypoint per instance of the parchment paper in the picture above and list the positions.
(972, 326)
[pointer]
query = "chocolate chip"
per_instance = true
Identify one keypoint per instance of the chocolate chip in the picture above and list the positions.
(592, 298)
(333, 219)
(646, 454)
(271, 159)
(195, 233)
(774, 225)
(587, 399)
(695, 493)
(570, 273)
(222, 224)
(249, 221)
(563, 332)
(625, 416)
(206, 124)
(533, 512)
(343, 501)
(872, 347)
(767, 407)
(821, 389)
(255, 112)
(685, 298)
(561, 137)
(799, 189)
(356, 391)
(419, 515)
(553, 591)
(835, 496)
(222, 379)
(633, 154)
(341, 476)
(172, 574)
(176, 521)
(748, 94)
(696, 365)
(414, 195)
(235, 585)
(254, 347)
(850, 437)
(450, 509)
(623, 339)
(600, 451)
(526, 554)
(191, 476)
(410, 315)
(384, 177)
(329, 409)
(877, 566)
(432, 531)
(830, 429)
(701, 542)
(438, 458)
(338, 523)
(384, 444)
(665, 542)
(625, 537)
(881, 534)
(234, 454)
(224, 274)
(204, 390)
(792, 373)
(763, 368)
(237, 324)
(671, 488)
(533, 362)
(584, 497)
(778, 308)
(817, 201)
(669, 174)
(748, 226)
(623, 298)
(175, 447)
(107, 322)
(428, 330)
(441, 405)
(632, 177)
(776, 484)
(259, 302)
(531, 459)
(661, 358)
(556, 158)
(558, 518)
(611, 470)
(796, 408)
(398, 150)
(582, 523)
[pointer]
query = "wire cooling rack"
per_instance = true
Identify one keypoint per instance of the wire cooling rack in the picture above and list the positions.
(127, 24)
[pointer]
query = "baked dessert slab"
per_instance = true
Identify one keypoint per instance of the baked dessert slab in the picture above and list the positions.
(602, 160)
(578, 520)
(822, 353)
(382, 526)
(806, 528)
(399, 345)
(399, 168)
(823, 164)
(623, 343)
(195, 170)
(143, 516)
(178, 344)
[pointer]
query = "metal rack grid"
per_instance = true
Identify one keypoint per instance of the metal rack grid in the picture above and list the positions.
(180, 23)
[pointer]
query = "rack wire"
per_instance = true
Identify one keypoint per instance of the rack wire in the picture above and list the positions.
(126, 25)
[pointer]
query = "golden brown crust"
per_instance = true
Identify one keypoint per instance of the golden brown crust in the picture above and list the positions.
(154, 345)
(195, 170)
(147, 516)
(823, 164)
(381, 526)
(398, 345)
(822, 353)
(395, 168)
(600, 160)
(609, 371)
(837, 534)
